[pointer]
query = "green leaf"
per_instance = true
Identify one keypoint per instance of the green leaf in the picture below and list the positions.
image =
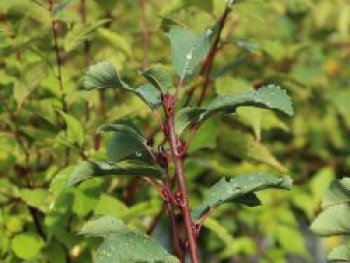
(106, 4)
(321, 181)
(37, 198)
(27, 245)
(89, 169)
(159, 78)
(205, 5)
(339, 254)
(186, 116)
(132, 247)
(334, 220)
(243, 145)
(61, 7)
(29, 82)
(260, 120)
(116, 40)
(75, 130)
(220, 231)
(268, 97)
(149, 94)
(338, 192)
(31, 9)
(103, 227)
(81, 32)
(290, 239)
(123, 146)
(124, 129)
(226, 190)
(86, 196)
(187, 49)
(108, 205)
(103, 75)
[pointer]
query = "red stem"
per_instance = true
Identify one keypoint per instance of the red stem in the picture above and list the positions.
(205, 70)
(174, 227)
(211, 56)
(185, 208)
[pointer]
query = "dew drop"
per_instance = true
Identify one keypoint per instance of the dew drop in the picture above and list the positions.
(209, 32)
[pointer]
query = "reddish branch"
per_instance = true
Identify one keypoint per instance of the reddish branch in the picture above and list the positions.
(211, 56)
(183, 194)
(176, 241)
(205, 71)
(182, 200)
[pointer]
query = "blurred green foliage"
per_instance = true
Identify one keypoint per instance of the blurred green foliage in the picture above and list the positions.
(300, 45)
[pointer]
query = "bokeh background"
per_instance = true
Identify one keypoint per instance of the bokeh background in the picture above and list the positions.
(45, 48)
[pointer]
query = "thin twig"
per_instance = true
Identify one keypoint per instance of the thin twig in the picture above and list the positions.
(205, 71)
(158, 119)
(58, 59)
(156, 220)
(189, 138)
(86, 52)
(59, 75)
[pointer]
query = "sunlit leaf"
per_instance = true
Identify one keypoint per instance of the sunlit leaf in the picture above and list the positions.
(338, 192)
(31, 9)
(75, 130)
(334, 220)
(132, 247)
(27, 245)
(80, 33)
(103, 227)
(339, 254)
(29, 82)
(243, 145)
(37, 198)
